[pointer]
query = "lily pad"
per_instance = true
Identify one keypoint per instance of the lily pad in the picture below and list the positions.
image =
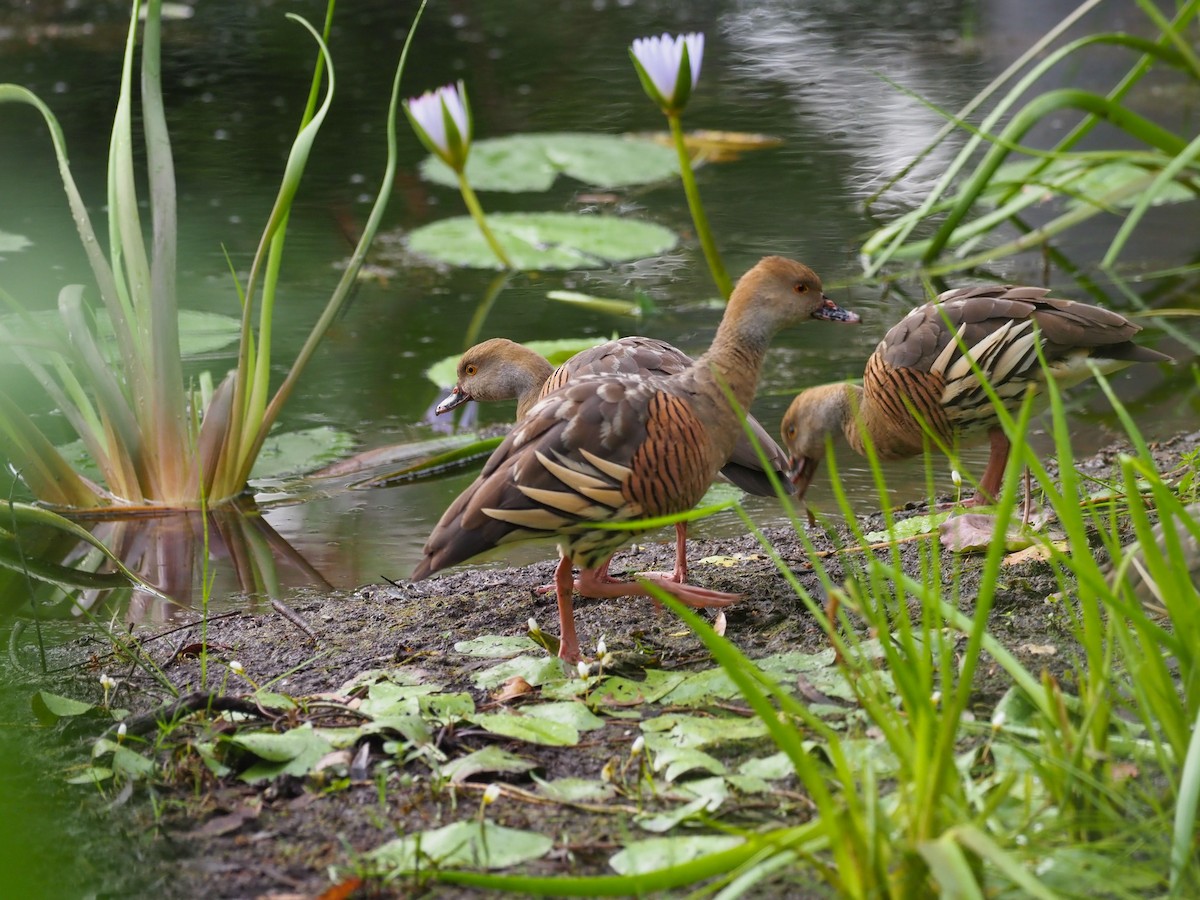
(293, 752)
(300, 451)
(542, 241)
(200, 333)
(49, 708)
(532, 162)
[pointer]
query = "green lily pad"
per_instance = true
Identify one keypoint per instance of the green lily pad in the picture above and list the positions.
(301, 451)
(480, 845)
(444, 372)
(200, 333)
(574, 790)
(536, 670)
(542, 241)
(49, 708)
(566, 712)
(532, 162)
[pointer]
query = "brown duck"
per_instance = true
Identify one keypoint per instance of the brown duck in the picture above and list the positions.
(500, 369)
(918, 382)
(612, 448)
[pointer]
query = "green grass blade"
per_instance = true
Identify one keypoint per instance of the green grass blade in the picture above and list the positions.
(1183, 842)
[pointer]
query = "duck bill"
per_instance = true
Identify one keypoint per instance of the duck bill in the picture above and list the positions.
(831, 312)
(457, 398)
(800, 472)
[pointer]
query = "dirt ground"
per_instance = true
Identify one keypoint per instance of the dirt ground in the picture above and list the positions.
(222, 838)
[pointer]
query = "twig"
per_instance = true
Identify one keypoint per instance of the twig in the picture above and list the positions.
(294, 617)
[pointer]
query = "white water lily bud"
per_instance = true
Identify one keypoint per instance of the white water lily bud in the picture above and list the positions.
(442, 120)
(532, 625)
(107, 682)
(601, 647)
(638, 746)
(584, 669)
(669, 67)
(956, 477)
(237, 668)
(998, 720)
(491, 794)
(121, 731)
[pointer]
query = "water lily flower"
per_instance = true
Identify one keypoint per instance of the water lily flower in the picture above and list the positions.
(491, 794)
(442, 120)
(669, 67)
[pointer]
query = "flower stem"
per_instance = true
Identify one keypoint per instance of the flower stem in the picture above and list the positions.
(468, 195)
(720, 276)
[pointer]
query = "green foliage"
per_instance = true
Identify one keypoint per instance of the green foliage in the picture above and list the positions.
(118, 380)
(957, 226)
(542, 240)
(533, 162)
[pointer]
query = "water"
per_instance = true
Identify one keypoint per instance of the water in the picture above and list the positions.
(236, 76)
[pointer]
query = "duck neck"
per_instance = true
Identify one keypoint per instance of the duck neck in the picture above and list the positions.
(737, 354)
(855, 410)
(527, 379)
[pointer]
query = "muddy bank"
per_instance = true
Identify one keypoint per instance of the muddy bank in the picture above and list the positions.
(211, 834)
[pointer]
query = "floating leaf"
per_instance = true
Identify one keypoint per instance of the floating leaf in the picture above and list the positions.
(598, 304)
(659, 853)
(480, 845)
(532, 162)
(446, 708)
(676, 761)
(300, 451)
(676, 730)
(529, 728)
(49, 708)
(200, 333)
(542, 240)
(489, 759)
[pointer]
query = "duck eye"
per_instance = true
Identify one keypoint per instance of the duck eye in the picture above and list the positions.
(791, 431)
(800, 287)
(471, 369)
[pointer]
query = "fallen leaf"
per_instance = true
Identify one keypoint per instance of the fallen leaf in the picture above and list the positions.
(1039, 649)
(512, 689)
(718, 624)
(976, 531)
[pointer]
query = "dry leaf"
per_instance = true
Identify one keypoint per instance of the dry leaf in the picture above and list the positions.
(1039, 649)
(718, 624)
(512, 689)
(975, 531)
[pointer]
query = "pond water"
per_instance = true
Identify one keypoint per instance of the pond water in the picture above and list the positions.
(236, 77)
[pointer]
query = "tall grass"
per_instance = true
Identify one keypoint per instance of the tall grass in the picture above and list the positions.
(1081, 782)
(156, 440)
(994, 180)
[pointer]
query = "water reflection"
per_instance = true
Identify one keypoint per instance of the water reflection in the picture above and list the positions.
(198, 561)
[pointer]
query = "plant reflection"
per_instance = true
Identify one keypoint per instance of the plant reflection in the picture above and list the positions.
(188, 555)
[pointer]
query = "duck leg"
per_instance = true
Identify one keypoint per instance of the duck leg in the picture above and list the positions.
(993, 475)
(601, 576)
(568, 642)
(687, 594)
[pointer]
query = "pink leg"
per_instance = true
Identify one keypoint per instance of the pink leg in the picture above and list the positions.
(993, 475)
(568, 647)
(680, 573)
(601, 574)
(688, 594)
